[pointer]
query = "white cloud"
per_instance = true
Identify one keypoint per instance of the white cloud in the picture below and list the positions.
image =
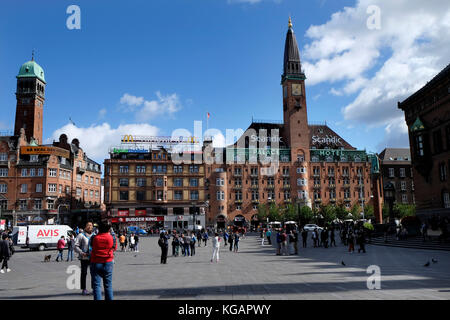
(97, 139)
(396, 135)
(380, 66)
(102, 113)
(146, 110)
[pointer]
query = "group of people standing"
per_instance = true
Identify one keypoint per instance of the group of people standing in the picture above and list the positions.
(131, 241)
(287, 241)
(187, 242)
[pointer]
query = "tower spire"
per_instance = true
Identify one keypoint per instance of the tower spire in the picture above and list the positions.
(290, 22)
(32, 55)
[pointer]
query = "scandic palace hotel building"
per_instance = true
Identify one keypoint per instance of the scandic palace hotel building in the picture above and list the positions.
(313, 166)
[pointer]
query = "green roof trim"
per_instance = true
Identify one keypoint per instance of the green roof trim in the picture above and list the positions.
(417, 125)
(31, 69)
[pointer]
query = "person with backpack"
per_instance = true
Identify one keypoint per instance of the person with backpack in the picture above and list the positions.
(193, 242)
(5, 253)
(236, 242)
(60, 247)
(225, 238)
(102, 247)
(205, 238)
(82, 249)
(163, 243)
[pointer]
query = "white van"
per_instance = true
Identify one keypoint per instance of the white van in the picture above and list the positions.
(40, 236)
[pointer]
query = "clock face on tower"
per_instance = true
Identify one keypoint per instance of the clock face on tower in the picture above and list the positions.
(296, 89)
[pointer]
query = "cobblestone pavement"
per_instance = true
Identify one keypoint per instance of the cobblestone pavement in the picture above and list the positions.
(253, 273)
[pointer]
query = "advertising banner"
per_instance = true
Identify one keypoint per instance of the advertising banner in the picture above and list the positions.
(123, 213)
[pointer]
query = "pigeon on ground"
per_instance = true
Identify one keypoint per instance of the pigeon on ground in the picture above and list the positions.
(427, 264)
(342, 262)
(434, 260)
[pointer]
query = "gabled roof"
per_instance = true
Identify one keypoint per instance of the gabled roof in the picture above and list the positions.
(395, 155)
(322, 136)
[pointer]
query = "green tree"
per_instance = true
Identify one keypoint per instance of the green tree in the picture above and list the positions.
(369, 212)
(263, 212)
(341, 211)
(306, 215)
(291, 213)
(274, 213)
(328, 212)
(404, 210)
(356, 211)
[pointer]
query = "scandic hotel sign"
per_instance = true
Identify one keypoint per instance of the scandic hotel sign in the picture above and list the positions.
(45, 150)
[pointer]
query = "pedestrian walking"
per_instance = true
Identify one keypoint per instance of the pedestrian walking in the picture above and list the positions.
(199, 238)
(216, 248)
(102, 247)
(324, 237)
(304, 237)
(163, 243)
(225, 238)
(70, 246)
(175, 243)
(187, 245)
(284, 243)
(205, 238)
(269, 236)
(122, 240)
(82, 249)
(132, 242)
(278, 236)
(136, 243)
(351, 242)
(315, 237)
(231, 241)
(262, 236)
(60, 247)
(236, 242)
(361, 242)
(193, 242)
(5, 253)
(295, 234)
(332, 239)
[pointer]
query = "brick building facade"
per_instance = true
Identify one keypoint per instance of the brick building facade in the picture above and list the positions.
(427, 114)
(41, 183)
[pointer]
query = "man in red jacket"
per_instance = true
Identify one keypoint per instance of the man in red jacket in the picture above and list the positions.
(102, 247)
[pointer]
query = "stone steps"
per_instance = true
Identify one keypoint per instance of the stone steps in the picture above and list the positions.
(414, 243)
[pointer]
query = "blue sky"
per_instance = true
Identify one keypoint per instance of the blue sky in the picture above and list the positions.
(159, 65)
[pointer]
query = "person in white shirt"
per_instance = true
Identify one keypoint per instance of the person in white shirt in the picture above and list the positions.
(216, 247)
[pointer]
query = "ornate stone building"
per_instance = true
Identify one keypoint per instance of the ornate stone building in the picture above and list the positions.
(427, 114)
(41, 183)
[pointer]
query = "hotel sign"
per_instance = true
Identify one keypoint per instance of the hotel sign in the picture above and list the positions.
(46, 151)
(119, 150)
(150, 139)
(327, 140)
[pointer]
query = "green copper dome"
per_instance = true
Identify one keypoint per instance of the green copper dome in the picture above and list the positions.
(31, 69)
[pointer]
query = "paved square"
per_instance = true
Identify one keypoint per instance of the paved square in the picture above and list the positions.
(253, 273)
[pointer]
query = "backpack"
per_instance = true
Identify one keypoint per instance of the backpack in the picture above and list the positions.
(161, 242)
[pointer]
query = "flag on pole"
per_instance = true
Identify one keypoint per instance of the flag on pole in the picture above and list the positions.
(209, 115)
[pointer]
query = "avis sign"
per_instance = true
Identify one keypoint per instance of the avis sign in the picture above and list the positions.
(47, 233)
